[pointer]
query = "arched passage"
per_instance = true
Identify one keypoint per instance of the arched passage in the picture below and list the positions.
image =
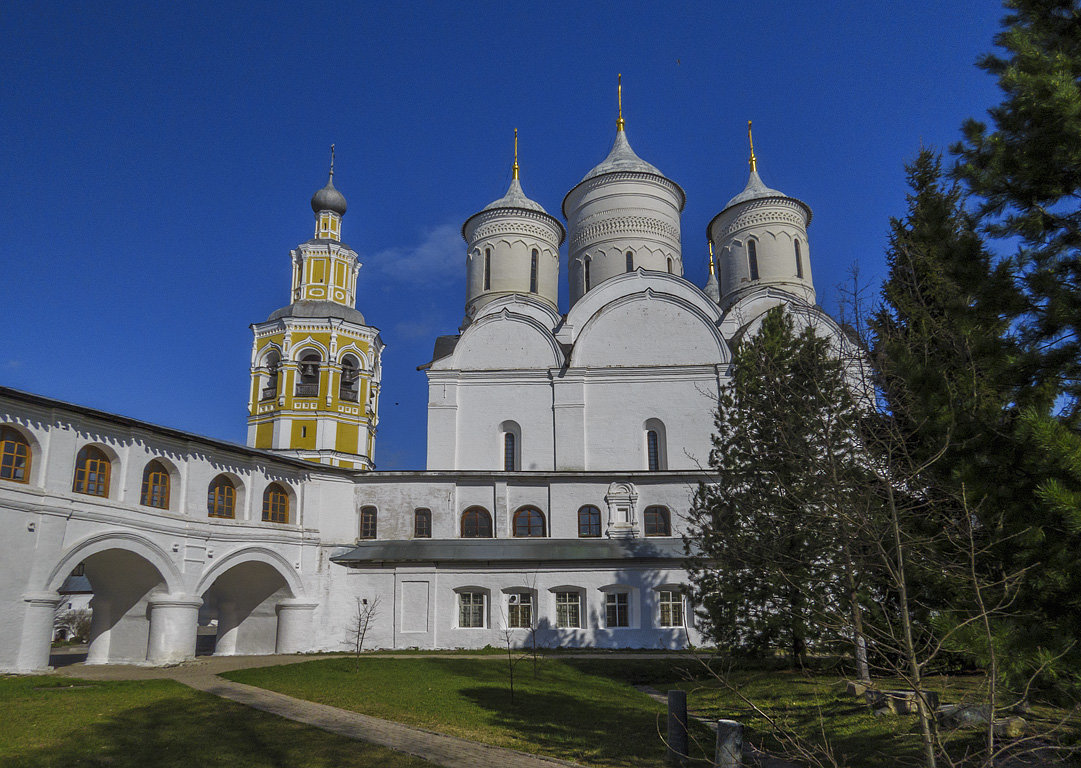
(139, 610)
(253, 599)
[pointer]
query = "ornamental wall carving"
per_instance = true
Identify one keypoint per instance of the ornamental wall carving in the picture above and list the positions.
(626, 226)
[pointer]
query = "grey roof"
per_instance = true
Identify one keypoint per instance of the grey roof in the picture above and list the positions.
(510, 550)
(712, 289)
(515, 198)
(329, 199)
(621, 158)
(312, 308)
(76, 585)
(756, 189)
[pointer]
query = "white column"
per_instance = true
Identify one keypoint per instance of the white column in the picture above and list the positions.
(37, 635)
(173, 623)
(294, 626)
(228, 627)
(100, 628)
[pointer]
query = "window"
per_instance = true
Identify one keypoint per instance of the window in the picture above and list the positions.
(368, 518)
(752, 258)
(617, 610)
(520, 610)
(476, 524)
(275, 504)
(308, 386)
(92, 469)
(270, 387)
(487, 269)
(528, 521)
(799, 261)
(653, 454)
(422, 524)
(221, 498)
(470, 609)
(349, 389)
(587, 273)
(509, 455)
(669, 265)
(657, 522)
(533, 272)
(671, 608)
(568, 610)
(630, 261)
(14, 456)
(155, 491)
(589, 522)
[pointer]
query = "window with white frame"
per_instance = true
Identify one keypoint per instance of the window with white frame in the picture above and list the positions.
(520, 610)
(617, 609)
(671, 604)
(470, 609)
(568, 610)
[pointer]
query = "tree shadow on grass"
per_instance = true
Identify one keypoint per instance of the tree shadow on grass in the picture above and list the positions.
(195, 730)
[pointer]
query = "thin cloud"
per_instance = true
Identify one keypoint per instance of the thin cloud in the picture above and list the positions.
(435, 260)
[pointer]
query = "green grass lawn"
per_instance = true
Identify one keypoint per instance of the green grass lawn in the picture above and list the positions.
(568, 711)
(51, 721)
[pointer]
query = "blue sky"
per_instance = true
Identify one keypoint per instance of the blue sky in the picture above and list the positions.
(159, 160)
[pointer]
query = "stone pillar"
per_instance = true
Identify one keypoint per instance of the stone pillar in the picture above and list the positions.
(37, 635)
(729, 744)
(228, 627)
(100, 627)
(173, 623)
(294, 626)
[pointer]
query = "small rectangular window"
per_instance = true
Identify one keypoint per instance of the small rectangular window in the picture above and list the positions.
(569, 610)
(422, 524)
(671, 609)
(616, 611)
(533, 272)
(520, 610)
(368, 517)
(471, 609)
(487, 269)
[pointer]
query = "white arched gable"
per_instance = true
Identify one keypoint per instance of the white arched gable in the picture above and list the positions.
(504, 341)
(306, 345)
(253, 555)
(745, 316)
(646, 319)
(122, 540)
(521, 304)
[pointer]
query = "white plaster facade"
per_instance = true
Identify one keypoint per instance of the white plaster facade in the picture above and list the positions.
(590, 428)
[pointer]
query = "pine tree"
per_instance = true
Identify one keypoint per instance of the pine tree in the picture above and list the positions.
(763, 549)
(1027, 172)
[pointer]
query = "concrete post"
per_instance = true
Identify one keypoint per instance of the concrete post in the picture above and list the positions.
(729, 744)
(37, 634)
(173, 624)
(677, 728)
(294, 626)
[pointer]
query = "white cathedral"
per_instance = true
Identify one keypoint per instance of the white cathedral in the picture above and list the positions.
(563, 450)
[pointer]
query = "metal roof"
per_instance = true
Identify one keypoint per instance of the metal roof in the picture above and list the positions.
(510, 550)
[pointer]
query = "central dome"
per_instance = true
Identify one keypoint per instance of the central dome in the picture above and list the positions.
(621, 158)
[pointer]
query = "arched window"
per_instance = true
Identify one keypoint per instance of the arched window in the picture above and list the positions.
(533, 272)
(349, 390)
(529, 521)
(92, 468)
(308, 386)
(653, 451)
(275, 504)
(270, 384)
(630, 261)
(586, 262)
(422, 523)
(658, 522)
(509, 452)
(155, 491)
(799, 260)
(669, 265)
(14, 456)
(589, 522)
(476, 523)
(368, 518)
(487, 269)
(752, 258)
(221, 498)
(656, 447)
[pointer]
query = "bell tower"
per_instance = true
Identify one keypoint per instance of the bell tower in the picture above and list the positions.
(315, 364)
